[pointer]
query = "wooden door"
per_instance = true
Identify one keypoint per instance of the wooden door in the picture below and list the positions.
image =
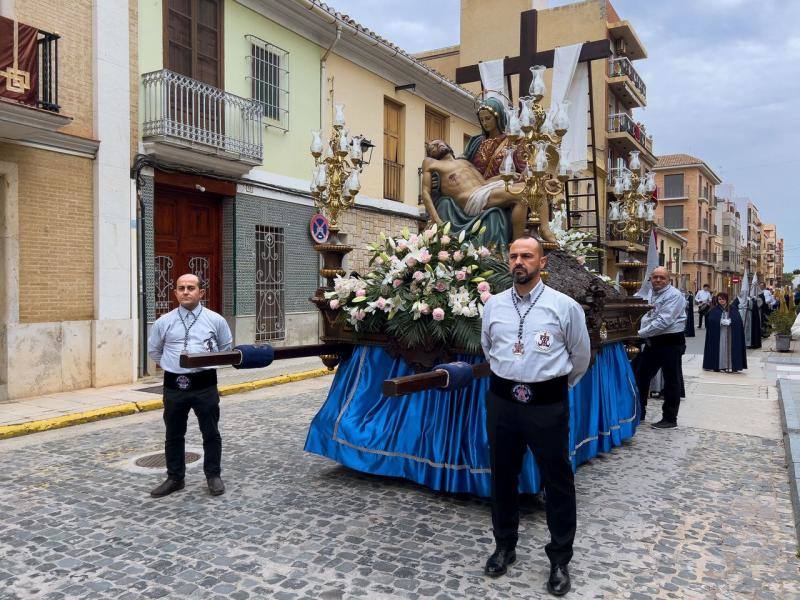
(187, 240)
(392, 149)
(435, 126)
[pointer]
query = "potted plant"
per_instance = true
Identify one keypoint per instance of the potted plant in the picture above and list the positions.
(781, 323)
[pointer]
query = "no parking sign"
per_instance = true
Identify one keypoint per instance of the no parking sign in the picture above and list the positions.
(319, 228)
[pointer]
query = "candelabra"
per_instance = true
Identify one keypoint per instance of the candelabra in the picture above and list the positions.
(334, 186)
(633, 212)
(535, 135)
(337, 165)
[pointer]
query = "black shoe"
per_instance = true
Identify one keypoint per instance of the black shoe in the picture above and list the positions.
(498, 562)
(559, 583)
(166, 488)
(663, 424)
(215, 485)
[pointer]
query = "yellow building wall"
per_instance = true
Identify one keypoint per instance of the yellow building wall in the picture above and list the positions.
(56, 247)
(363, 94)
(72, 19)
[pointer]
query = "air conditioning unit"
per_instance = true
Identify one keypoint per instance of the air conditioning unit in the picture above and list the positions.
(620, 47)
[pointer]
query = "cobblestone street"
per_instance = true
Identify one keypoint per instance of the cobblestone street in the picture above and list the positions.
(698, 512)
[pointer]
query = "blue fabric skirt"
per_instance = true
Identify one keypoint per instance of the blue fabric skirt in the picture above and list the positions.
(439, 438)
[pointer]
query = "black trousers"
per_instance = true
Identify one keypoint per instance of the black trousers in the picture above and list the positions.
(700, 316)
(205, 404)
(666, 357)
(513, 427)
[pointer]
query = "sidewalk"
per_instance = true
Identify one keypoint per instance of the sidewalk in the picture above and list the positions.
(52, 411)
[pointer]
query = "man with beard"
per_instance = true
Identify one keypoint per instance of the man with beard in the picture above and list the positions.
(663, 329)
(537, 345)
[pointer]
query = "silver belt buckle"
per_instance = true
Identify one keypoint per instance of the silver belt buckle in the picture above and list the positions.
(183, 382)
(522, 393)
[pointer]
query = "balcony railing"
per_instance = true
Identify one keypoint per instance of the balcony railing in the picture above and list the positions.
(179, 107)
(622, 67)
(392, 180)
(44, 80)
(674, 192)
(622, 123)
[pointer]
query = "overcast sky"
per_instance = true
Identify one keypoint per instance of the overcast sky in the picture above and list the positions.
(722, 76)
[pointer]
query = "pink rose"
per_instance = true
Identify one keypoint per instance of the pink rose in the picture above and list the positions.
(424, 257)
(334, 304)
(397, 282)
(445, 240)
(380, 302)
(484, 286)
(424, 308)
(461, 275)
(458, 256)
(581, 260)
(485, 296)
(483, 252)
(360, 314)
(411, 261)
(413, 239)
(443, 256)
(402, 245)
(418, 275)
(361, 293)
(438, 314)
(428, 233)
(440, 286)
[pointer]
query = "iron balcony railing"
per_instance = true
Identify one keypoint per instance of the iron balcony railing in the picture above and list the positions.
(177, 106)
(674, 191)
(622, 67)
(47, 93)
(622, 123)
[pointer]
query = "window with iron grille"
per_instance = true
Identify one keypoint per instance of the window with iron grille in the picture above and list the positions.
(270, 288)
(269, 79)
(673, 186)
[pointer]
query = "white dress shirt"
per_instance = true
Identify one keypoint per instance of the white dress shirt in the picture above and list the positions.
(208, 332)
(668, 314)
(703, 296)
(555, 339)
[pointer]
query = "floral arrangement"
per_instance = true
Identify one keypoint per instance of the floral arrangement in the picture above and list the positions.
(574, 242)
(425, 289)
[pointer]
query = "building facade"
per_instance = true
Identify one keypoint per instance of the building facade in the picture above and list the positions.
(489, 30)
(773, 256)
(754, 240)
(67, 258)
(231, 91)
(671, 247)
(687, 205)
(731, 264)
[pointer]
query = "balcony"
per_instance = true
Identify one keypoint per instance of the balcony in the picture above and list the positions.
(674, 192)
(189, 122)
(626, 84)
(625, 135)
(29, 109)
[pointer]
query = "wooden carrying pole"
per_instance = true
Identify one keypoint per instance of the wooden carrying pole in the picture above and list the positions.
(234, 357)
(410, 384)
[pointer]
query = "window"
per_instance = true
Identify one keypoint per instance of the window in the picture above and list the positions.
(269, 77)
(726, 230)
(673, 186)
(392, 150)
(661, 255)
(270, 289)
(673, 217)
(193, 39)
(435, 126)
(726, 255)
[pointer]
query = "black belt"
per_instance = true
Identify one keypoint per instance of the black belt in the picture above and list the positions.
(666, 339)
(190, 381)
(540, 392)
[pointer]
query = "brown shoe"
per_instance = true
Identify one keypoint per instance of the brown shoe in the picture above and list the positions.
(166, 488)
(215, 485)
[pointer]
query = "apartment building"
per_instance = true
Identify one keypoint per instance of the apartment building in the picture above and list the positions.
(731, 264)
(687, 205)
(754, 239)
(773, 255)
(67, 257)
(489, 30)
(231, 91)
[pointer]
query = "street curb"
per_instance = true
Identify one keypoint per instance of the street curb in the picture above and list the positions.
(790, 428)
(130, 408)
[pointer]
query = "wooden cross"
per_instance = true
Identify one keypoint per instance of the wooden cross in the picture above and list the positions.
(528, 56)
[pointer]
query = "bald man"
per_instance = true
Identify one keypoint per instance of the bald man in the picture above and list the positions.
(663, 332)
(189, 328)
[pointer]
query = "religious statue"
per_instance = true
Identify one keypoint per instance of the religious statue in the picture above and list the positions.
(459, 181)
(502, 214)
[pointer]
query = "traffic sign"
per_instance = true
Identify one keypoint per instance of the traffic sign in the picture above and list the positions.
(736, 279)
(319, 228)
